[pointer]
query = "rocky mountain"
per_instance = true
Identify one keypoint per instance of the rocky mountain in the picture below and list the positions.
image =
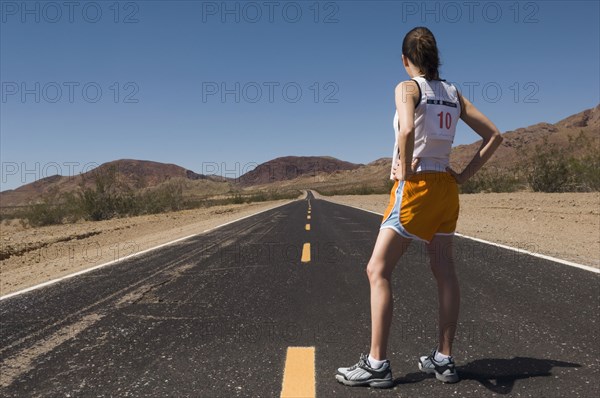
(298, 172)
(291, 167)
(520, 144)
(131, 173)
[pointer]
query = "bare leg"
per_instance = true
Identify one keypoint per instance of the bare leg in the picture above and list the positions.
(389, 247)
(441, 255)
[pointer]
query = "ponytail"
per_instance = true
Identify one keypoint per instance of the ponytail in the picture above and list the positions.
(420, 47)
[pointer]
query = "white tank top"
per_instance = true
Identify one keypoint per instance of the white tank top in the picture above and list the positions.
(436, 117)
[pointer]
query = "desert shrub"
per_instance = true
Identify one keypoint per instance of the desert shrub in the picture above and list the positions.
(365, 190)
(11, 213)
(107, 198)
(492, 180)
(164, 198)
(260, 196)
(586, 171)
(237, 199)
(571, 168)
(40, 214)
(104, 200)
(53, 208)
(67, 208)
(549, 171)
(383, 188)
(110, 199)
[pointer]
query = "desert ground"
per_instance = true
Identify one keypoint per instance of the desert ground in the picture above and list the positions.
(565, 225)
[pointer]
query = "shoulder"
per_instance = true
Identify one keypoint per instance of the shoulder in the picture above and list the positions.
(408, 89)
(451, 86)
(464, 101)
(406, 86)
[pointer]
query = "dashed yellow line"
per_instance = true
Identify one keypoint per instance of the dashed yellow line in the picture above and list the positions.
(299, 373)
(305, 253)
(308, 217)
(307, 227)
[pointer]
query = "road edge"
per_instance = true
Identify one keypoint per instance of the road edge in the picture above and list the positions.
(523, 251)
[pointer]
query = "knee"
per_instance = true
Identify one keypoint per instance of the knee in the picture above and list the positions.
(375, 271)
(443, 272)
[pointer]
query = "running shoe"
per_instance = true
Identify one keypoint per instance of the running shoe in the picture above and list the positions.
(362, 374)
(444, 371)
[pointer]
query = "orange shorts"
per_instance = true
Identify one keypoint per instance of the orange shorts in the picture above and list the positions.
(424, 205)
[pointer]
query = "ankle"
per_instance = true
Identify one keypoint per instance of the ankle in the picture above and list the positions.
(376, 362)
(439, 356)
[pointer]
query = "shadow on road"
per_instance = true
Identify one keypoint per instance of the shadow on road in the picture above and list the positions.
(497, 374)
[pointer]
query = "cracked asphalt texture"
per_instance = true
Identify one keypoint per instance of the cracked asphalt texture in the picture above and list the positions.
(212, 316)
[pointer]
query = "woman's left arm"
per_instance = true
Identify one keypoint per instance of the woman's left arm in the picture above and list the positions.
(405, 106)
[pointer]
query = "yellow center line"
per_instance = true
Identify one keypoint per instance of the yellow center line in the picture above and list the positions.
(308, 217)
(308, 227)
(299, 373)
(305, 253)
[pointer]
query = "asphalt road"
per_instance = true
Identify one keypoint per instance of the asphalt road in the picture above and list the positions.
(213, 316)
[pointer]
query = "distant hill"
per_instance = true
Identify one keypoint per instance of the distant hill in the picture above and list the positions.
(135, 174)
(520, 143)
(317, 172)
(141, 174)
(518, 146)
(292, 167)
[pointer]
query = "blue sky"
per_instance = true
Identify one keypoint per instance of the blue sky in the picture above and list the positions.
(221, 87)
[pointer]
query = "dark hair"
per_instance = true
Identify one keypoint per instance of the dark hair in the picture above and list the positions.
(420, 47)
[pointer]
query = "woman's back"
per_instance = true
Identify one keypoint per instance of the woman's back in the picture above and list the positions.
(436, 115)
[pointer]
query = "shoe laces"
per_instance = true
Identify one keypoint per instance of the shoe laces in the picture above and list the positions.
(362, 362)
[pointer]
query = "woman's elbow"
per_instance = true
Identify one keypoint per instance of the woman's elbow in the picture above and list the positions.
(406, 131)
(498, 137)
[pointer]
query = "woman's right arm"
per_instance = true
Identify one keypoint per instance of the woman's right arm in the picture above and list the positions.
(488, 132)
